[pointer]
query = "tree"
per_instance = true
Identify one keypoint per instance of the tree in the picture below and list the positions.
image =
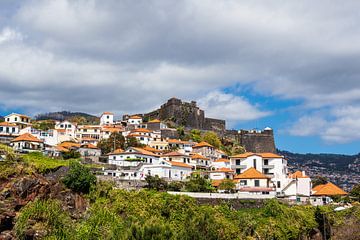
(181, 132)
(79, 178)
(199, 184)
(228, 185)
(318, 180)
(355, 192)
(175, 186)
(155, 183)
(195, 135)
(115, 141)
(71, 154)
(212, 138)
(132, 142)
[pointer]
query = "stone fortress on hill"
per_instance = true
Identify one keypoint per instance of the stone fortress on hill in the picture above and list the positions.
(191, 116)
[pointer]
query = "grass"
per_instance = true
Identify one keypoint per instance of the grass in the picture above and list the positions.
(42, 163)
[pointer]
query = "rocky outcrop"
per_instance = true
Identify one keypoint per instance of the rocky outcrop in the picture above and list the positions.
(20, 190)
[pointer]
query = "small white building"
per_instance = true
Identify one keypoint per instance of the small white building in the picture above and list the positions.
(19, 119)
(207, 150)
(184, 147)
(221, 163)
(298, 187)
(107, 118)
(253, 181)
(176, 157)
(322, 194)
(9, 129)
(271, 165)
(89, 150)
(27, 143)
(66, 130)
(132, 157)
(221, 174)
(135, 120)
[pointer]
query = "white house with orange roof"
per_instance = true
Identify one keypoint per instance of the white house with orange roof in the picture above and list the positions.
(107, 130)
(156, 125)
(253, 181)
(135, 120)
(207, 150)
(298, 187)
(27, 143)
(89, 150)
(19, 119)
(49, 137)
(221, 163)
(322, 194)
(176, 157)
(88, 134)
(184, 147)
(143, 135)
(159, 144)
(9, 129)
(221, 173)
(132, 157)
(107, 118)
(271, 165)
(199, 161)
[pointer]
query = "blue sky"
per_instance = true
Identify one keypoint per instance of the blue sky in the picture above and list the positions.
(290, 65)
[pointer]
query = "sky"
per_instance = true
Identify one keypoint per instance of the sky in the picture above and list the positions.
(293, 66)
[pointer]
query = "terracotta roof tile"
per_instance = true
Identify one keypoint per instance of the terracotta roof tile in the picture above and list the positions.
(203, 144)
(251, 173)
(223, 170)
(155, 121)
(263, 155)
(198, 156)
(298, 174)
(135, 117)
(179, 164)
(222, 160)
(26, 137)
(328, 189)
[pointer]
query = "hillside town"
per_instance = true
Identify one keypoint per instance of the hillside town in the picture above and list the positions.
(155, 149)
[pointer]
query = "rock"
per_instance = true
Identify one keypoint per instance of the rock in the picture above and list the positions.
(6, 235)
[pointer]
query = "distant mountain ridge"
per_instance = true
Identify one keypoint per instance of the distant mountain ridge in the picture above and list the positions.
(66, 115)
(339, 162)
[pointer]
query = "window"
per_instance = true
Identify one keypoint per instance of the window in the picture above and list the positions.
(61, 126)
(266, 161)
(15, 119)
(257, 183)
(107, 117)
(254, 163)
(237, 162)
(1, 129)
(150, 160)
(238, 171)
(278, 184)
(8, 120)
(266, 171)
(243, 182)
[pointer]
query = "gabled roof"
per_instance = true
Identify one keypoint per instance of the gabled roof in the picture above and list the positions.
(143, 130)
(143, 152)
(263, 155)
(27, 137)
(155, 121)
(69, 145)
(251, 173)
(107, 113)
(177, 141)
(151, 149)
(179, 164)
(328, 189)
(89, 145)
(298, 174)
(222, 160)
(203, 144)
(173, 154)
(17, 114)
(135, 117)
(198, 156)
(117, 151)
(61, 149)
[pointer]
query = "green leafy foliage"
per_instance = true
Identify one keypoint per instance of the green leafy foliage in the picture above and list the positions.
(227, 185)
(195, 135)
(198, 184)
(133, 142)
(44, 125)
(71, 154)
(156, 183)
(43, 164)
(115, 141)
(318, 180)
(212, 138)
(355, 192)
(79, 178)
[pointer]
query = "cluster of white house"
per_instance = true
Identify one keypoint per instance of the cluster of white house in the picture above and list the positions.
(168, 158)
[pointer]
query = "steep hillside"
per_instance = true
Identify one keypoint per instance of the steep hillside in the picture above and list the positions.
(78, 117)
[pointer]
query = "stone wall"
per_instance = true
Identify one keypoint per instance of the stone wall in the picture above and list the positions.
(257, 142)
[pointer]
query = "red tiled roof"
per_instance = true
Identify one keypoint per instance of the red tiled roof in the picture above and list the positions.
(298, 174)
(117, 151)
(223, 170)
(27, 137)
(328, 189)
(135, 117)
(263, 155)
(251, 173)
(203, 144)
(198, 156)
(179, 164)
(222, 160)
(173, 154)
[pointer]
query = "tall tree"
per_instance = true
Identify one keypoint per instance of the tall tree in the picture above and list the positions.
(115, 141)
(212, 138)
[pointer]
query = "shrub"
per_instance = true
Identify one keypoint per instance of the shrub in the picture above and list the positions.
(71, 154)
(175, 186)
(79, 178)
(156, 183)
(199, 184)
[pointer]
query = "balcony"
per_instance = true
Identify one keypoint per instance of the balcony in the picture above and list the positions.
(267, 166)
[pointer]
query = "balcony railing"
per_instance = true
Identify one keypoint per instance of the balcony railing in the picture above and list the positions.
(267, 166)
(238, 166)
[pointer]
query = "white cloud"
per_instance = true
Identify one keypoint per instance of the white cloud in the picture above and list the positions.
(227, 106)
(8, 35)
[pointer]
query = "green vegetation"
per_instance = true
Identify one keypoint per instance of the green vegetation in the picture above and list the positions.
(212, 138)
(355, 192)
(198, 184)
(115, 141)
(79, 178)
(318, 180)
(228, 185)
(43, 164)
(71, 154)
(133, 142)
(120, 214)
(44, 125)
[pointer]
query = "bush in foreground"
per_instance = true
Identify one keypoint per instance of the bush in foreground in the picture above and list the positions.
(79, 178)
